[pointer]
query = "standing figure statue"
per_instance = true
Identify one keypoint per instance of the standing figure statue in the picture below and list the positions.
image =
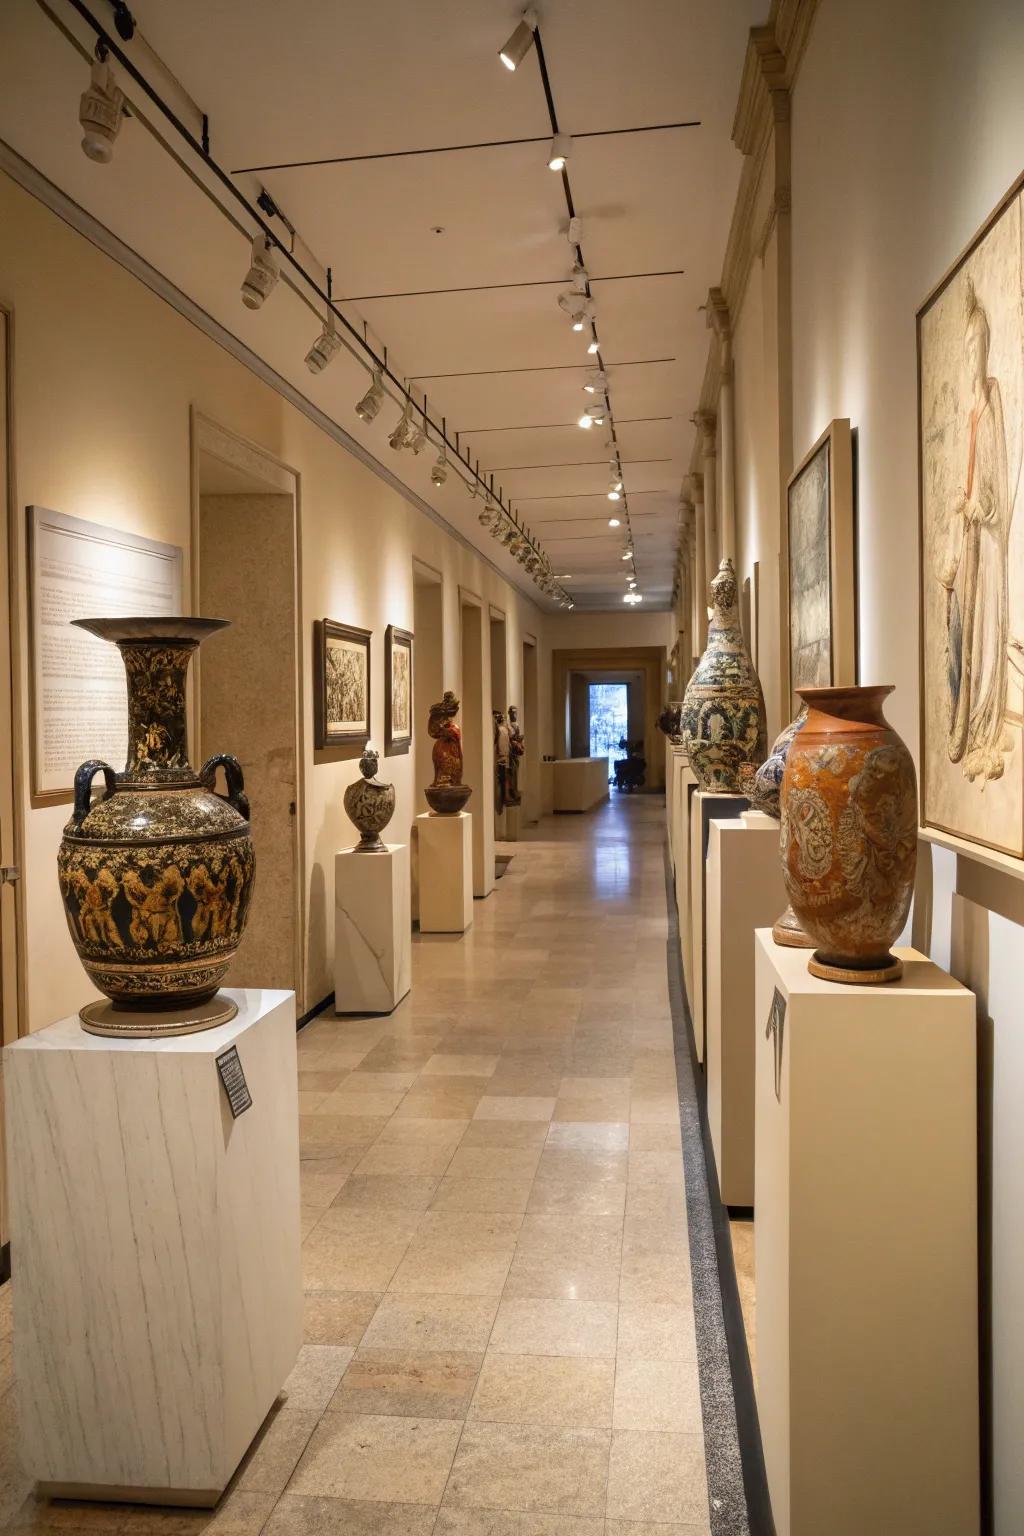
(517, 747)
(447, 794)
(502, 761)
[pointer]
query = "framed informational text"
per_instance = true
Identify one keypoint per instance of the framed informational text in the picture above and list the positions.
(79, 702)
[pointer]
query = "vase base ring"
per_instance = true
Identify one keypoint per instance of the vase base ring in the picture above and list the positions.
(889, 969)
(102, 1018)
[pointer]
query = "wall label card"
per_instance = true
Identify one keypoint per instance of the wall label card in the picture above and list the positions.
(232, 1078)
(82, 570)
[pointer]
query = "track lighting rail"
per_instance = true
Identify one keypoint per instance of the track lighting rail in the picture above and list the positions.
(259, 214)
(458, 149)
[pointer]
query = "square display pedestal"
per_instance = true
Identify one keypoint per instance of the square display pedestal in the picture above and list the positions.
(686, 786)
(866, 1249)
(745, 891)
(705, 806)
(511, 832)
(446, 872)
(372, 930)
(158, 1280)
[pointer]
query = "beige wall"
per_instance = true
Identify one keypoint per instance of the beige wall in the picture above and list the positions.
(105, 374)
(569, 631)
(908, 126)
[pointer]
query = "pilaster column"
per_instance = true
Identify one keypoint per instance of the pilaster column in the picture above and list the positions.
(695, 484)
(705, 423)
(718, 320)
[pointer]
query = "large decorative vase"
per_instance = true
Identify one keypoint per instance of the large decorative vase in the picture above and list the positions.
(370, 804)
(763, 790)
(723, 719)
(157, 874)
(447, 794)
(849, 833)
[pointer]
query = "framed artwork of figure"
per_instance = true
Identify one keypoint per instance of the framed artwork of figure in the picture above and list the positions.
(397, 690)
(970, 347)
(820, 580)
(342, 684)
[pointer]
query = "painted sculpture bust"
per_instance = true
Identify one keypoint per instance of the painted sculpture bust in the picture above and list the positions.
(447, 794)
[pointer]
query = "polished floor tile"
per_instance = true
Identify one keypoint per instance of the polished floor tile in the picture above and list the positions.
(499, 1330)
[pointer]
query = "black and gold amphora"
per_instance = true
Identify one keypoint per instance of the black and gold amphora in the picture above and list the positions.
(157, 874)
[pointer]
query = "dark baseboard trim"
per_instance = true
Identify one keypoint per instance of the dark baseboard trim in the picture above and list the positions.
(314, 1012)
(5, 1263)
(737, 1485)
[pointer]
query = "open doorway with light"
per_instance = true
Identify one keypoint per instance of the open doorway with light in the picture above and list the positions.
(609, 721)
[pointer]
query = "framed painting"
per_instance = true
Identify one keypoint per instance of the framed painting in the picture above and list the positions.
(820, 580)
(342, 684)
(397, 690)
(970, 353)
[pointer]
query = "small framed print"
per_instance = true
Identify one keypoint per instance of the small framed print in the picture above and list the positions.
(821, 596)
(397, 691)
(342, 684)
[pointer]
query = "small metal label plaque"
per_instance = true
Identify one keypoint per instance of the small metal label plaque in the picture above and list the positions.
(233, 1082)
(776, 1024)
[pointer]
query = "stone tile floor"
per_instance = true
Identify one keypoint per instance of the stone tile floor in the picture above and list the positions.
(499, 1320)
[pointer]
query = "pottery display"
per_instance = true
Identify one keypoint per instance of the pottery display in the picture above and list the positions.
(761, 787)
(369, 804)
(849, 833)
(723, 720)
(447, 794)
(517, 751)
(157, 874)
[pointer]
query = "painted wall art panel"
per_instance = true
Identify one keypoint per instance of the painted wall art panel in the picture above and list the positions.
(971, 444)
(398, 690)
(820, 575)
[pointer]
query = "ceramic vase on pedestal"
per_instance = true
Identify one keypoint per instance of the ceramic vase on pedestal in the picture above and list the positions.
(369, 804)
(849, 833)
(447, 794)
(762, 789)
(158, 873)
(723, 718)
(668, 723)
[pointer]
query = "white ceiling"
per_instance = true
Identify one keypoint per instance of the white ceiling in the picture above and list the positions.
(285, 85)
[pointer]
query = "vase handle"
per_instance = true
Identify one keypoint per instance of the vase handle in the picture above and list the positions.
(236, 795)
(83, 786)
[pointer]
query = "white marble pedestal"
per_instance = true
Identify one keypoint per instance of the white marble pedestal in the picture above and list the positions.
(157, 1276)
(866, 1250)
(744, 891)
(705, 805)
(372, 930)
(446, 872)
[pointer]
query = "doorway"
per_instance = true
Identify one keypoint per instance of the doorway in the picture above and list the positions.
(499, 698)
(246, 554)
(609, 721)
(529, 767)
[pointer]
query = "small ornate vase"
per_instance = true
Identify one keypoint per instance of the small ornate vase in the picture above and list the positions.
(723, 719)
(370, 804)
(849, 833)
(157, 874)
(668, 723)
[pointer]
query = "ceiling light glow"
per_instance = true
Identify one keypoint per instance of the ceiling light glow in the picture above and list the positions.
(520, 43)
(561, 147)
(613, 522)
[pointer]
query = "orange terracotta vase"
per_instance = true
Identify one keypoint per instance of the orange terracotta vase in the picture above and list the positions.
(849, 833)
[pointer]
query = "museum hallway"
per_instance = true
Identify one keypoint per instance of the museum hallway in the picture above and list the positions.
(499, 1319)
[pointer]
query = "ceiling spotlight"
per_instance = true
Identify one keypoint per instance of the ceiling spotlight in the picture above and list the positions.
(580, 278)
(613, 522)
(586, 421)
(521, 41)
(614, 492)
(595, 380)
(575, 305)
(595, 345)
(399, 437)
(439, 470)
(417, 439)
(325, 348)
(369, 405)
(574, 233)
(627, 553)
(632, 597)
(561, 145)
(262, 275)
(100, 112)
